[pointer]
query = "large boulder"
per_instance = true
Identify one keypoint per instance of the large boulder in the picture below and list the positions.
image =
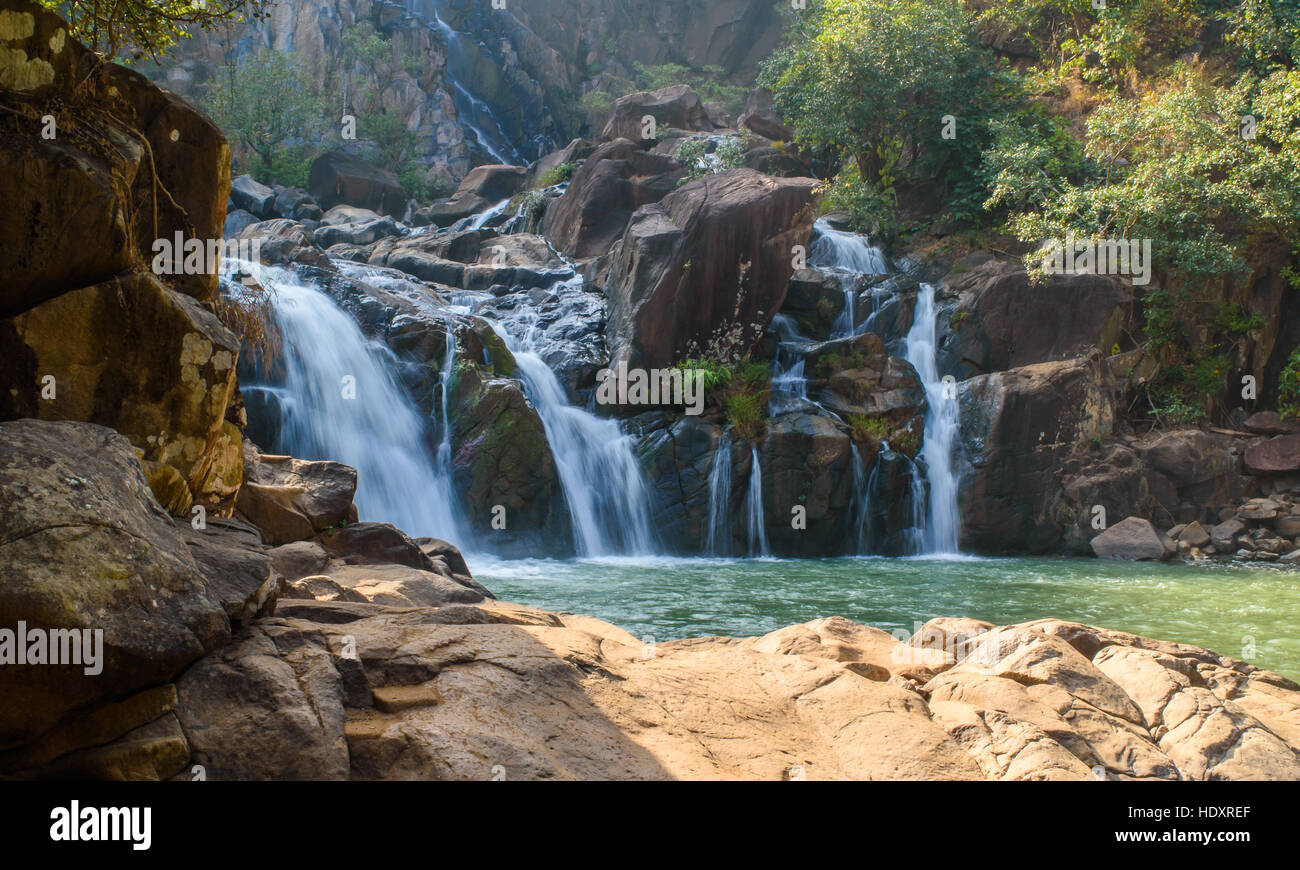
(1017, 427)
(339, 177)
(676, 107)
(618, 178)
(1135, 540)
(702, 271)
(85, 548)
(292, 499)
(1003, 320)
(252, 196)
(760, 117)
(1278, 454)
(89, 202)
(142, 359)
(484, 187)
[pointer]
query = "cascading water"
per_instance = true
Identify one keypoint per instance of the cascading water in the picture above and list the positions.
(470, 110)
(758, 545)
(861, 503)
(339, 399)
(602, 482)
(942, 527)
(718, 542)
(838, 251)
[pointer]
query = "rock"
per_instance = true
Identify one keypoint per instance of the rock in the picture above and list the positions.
(269, 706)
(484, 187)
(618, 178)
(235, 564)
(83, 209)
(1008, 322)
(393, 586)
(1016, 428)
(374, 543)
(1269, 423)
(339, 177)
(292, 499)
(348, 214)
(857, 376)
(875, 654)
(1133, 539)
(676, 107)
(298, 559)
(950, 634)
(1194, 535)
(577, 150)
(86, 547)
(759, 116)
(250, 195)
(1224, 535)
(1287, 527)
(296, 204)
(724, 243)
(1278, 454)
(160, 370)
(361, 233)
(773, 161)
(236, 221)
(806, 460)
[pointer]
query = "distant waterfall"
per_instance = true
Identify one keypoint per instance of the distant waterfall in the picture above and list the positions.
(758, 545)
(838, 251)
(339, 399)
(603, 487)
(942, 528)
(718, 541)
(471, 111)
(858, 517)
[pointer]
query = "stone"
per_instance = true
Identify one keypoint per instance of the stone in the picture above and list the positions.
(677, 107)
(1269, 423)
(251, 196)
(618, 178)
(1278, 454)
(760, 117)
(160, 370)
(298, 559)
(1193, 535)
(337, 177)
(292, 499)
(235, 564)
(1224, 535)
(482, 188)
(722, 241)
(87, 547)
(1133, 539)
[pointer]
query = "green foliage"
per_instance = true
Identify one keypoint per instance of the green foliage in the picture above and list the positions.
(1288, 389)
(596, 106)
(148, 28)
(869, 429)
(745, 414)
(1231, 319)
(421, 185)
(699, 162)
(716, 375)
(266, 103)
(557, 175)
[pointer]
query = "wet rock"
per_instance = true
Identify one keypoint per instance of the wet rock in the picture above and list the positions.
(1133, 539)
(1224, 535)
(483, 188)
(1193, 535)
(361, 233)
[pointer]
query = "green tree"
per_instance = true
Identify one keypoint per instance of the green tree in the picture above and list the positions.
(147, 28)
(270, 106)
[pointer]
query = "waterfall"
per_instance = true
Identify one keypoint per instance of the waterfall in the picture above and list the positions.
(848, 252)
(718, 542)
(861, 503)
(340, 400)
(942, 527)
(757, 534)
(471, 111)
(607, 497)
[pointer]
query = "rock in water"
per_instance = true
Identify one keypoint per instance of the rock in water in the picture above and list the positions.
(1134, 539)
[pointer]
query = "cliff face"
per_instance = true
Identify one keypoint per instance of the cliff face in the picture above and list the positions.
(493, 85)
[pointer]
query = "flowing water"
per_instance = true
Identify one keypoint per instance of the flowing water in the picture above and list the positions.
(1223, 608)
(941, 429)
(758, 545)
(339, 399)
(718, 542)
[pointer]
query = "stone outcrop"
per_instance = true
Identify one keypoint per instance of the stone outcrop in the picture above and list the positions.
(1134, 539)
(481, 189)
(618, 178)
(704, 270)
(340, 178)
(677, 107)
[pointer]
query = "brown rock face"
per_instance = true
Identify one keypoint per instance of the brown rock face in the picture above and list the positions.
(1010, 322)
(292, 499)
(127, 164)
(338, 177)
(1274, 455)
(137, 357)
(84, 547)
(1017, 426)
(703, 271)
(760, 117)
(483, 188)
(618, 178)
(676, 107)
